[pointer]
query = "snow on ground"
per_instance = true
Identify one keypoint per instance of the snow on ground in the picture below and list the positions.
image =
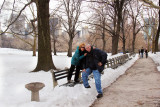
(156, 59)
(15, 67)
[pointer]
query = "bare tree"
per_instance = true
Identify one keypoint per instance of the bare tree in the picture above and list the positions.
(2, 5)
(154, 5)
(135, 12)
(115, 9)
(157, 34)
(99, 21)
(55, 27)
(124, 29)
(150, 26)
(18, 29)
(71, 12)
(151, 4)
(15, 19)
(45, 61)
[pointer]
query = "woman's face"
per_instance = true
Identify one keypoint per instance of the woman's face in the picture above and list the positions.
(82, 48)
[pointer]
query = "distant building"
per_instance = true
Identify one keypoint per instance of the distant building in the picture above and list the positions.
(85, 32)
(19, 25)
(78, 33)
(29, 28)
(55, 26)
(149, 24)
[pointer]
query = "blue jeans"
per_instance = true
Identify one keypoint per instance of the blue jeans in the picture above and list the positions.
(141, 55)
(97, 77)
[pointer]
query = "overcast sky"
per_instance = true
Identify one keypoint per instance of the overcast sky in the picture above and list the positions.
(53, 4)
(5, 14)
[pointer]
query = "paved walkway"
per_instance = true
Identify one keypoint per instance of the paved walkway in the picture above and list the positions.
(138, 87)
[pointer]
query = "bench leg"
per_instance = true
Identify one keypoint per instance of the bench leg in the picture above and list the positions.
(54, 80)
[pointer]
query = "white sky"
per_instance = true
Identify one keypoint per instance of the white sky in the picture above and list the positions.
(5, 14)
(53, 4)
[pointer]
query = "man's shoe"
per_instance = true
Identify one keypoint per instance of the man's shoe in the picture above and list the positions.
(88, 86)
(77, 81)
(99, 95)
(69, 81)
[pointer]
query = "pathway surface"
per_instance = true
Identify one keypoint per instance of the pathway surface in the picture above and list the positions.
(138, 87)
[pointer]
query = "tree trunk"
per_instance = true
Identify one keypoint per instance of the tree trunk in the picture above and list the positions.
(157, 38)
(148, 44)
(103, 39)
(34, 45)
(134, 35)
(115, 38)
(124, 45)
(123, 36)
(70, 47)
(114, 45)
(44, 44)
(104, 44)
(133, 42)
(157, 35)
(153, 46)
(54, 46)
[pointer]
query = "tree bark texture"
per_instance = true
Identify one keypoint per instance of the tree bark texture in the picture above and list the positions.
(54, 46)
(70, 47)
(44, 43)
(157, 35)
(115, 38)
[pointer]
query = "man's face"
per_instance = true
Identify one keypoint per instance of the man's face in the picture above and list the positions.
(88, 48)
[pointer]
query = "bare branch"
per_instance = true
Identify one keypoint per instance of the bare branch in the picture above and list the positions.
(2, 6)
(16, 17)
(151, 4)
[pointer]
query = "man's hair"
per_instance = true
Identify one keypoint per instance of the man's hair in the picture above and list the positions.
(87, 45)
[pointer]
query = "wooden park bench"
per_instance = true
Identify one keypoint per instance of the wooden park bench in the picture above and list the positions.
(61, 74)
(111, 63)
(118, 61)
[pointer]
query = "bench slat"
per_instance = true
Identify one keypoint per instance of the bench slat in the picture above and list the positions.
(63, 77)
(61, 71)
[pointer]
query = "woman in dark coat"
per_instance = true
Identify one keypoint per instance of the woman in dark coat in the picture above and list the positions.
(76, 62)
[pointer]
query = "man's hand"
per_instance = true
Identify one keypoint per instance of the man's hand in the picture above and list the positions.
(84, 70)
(99, 64)
(85, 54)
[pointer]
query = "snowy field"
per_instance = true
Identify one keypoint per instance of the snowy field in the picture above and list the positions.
(15, 67)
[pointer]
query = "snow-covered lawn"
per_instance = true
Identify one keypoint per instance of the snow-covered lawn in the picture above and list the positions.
(15, 67)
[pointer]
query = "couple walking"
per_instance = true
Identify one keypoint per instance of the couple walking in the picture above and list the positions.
(90, 60)
(141, 52)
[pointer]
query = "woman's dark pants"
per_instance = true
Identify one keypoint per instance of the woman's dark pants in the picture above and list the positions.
(76, 78)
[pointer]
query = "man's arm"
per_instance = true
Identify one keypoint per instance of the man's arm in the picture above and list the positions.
(104, 57)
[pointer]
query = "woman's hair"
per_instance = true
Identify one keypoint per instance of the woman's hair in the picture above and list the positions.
(81, 45)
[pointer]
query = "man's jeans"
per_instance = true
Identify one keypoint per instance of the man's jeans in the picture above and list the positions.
(97, 77)
(141, 55)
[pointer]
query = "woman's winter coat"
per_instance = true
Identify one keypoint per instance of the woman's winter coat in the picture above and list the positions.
(76, 57)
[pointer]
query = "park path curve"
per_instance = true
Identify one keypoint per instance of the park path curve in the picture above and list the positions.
(138, 87)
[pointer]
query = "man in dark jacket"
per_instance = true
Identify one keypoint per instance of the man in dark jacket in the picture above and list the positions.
(142, 51)
(94, 63)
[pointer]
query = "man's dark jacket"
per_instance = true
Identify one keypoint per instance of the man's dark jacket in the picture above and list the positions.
(93, 58)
